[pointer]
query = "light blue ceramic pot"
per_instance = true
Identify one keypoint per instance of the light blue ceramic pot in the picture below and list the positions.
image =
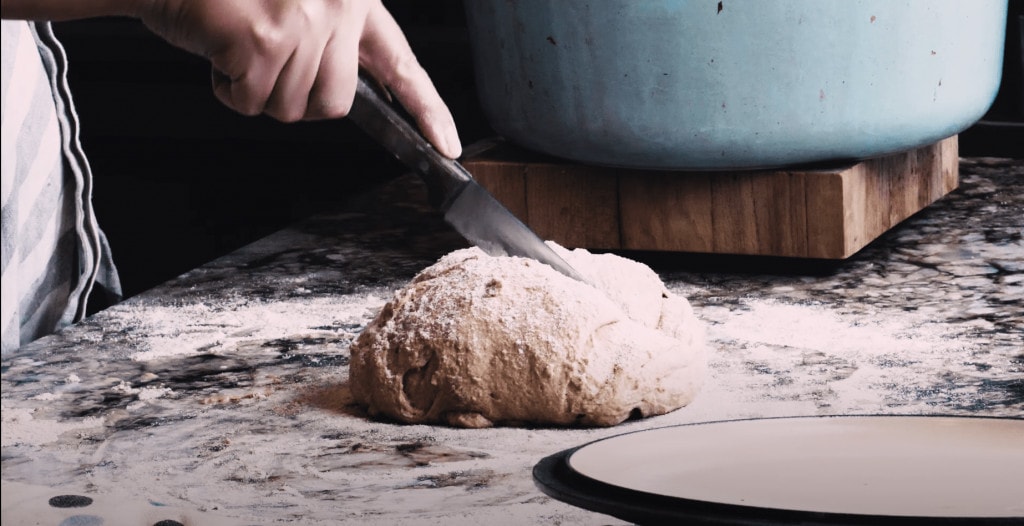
(702, 84)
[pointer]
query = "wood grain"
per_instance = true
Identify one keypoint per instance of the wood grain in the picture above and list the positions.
(585, 214)
(668, 210)
(828, 213)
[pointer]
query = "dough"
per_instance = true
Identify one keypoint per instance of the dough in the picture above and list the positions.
(475, 341)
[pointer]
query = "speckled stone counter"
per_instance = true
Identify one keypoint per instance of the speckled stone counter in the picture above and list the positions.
(221, 397)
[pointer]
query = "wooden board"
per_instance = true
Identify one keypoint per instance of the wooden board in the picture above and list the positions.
(828, 213)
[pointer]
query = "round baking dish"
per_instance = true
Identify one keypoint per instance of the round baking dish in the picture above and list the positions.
(678, 84)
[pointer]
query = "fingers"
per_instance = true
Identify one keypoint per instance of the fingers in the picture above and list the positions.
(301, 61)
(319, 81)
(270, 53)
(244, 78)
(335, 86)
(223, 33)
(303, 68)
(289, 99)
(386, 55)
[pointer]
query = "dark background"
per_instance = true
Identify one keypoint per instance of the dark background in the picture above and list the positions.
(181, 179)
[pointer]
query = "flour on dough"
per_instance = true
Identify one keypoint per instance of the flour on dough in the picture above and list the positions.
(475, 341)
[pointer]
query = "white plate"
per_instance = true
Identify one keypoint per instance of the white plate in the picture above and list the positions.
(924, 466)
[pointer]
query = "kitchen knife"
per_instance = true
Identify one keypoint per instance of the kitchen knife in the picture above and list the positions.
(467, 206)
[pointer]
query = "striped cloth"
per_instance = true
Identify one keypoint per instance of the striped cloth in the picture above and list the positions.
(53, 253)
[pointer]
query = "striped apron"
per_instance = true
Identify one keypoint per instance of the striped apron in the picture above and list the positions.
(54, 254)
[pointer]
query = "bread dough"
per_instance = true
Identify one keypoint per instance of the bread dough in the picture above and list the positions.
(475, 341)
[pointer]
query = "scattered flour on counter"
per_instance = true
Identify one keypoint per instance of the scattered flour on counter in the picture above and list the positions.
(152, 393)
(791, 358)
(124, 388)
(142, 394)
(771, 358)
(160, 331)
(822, 327)
(145, 395)
(21, 427)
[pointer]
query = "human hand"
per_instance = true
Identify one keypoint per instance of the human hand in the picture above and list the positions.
(299, 59)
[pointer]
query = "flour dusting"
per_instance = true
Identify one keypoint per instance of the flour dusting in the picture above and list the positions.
(461, 341)
(168, 330)
(815, 326)
(801, 357)
(20, 427)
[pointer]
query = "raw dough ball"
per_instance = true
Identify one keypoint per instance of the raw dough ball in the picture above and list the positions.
(476, 340)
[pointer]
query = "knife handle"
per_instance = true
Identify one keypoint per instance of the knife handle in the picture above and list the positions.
(381, 121)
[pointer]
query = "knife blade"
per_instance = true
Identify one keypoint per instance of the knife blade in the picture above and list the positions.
(468, 207)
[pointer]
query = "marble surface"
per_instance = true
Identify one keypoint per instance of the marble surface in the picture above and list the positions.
(221, 397)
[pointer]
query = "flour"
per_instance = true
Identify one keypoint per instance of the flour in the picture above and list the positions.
(811, 326)
(20, 427)
(168, 330)
(779, 357)
(476, 340)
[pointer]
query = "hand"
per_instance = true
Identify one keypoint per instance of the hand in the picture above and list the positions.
(299, 59)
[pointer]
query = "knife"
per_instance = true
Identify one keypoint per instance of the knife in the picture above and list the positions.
(467, 206)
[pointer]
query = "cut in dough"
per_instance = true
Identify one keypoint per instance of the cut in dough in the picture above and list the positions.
(475, 341)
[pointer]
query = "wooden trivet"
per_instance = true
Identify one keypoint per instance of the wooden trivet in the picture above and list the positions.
(820, 212)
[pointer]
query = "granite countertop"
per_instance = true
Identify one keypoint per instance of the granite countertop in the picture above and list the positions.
(221, 396)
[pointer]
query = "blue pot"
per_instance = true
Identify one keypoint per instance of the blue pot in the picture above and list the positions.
(677, 84)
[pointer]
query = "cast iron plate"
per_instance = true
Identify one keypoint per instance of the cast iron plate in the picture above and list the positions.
(877, 470)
